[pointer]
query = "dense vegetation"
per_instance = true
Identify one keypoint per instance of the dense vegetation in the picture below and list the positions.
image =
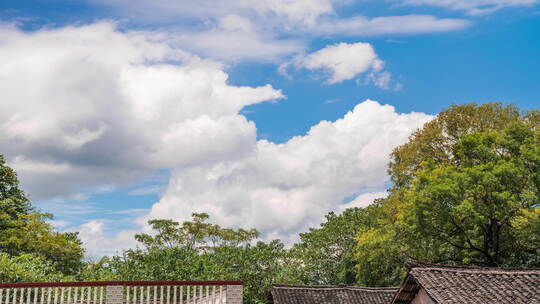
(465, 190)
(30, 249)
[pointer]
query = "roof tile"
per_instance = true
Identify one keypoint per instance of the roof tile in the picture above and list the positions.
(286, 294)
(471, 285)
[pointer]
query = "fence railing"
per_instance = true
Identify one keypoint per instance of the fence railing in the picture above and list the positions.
(131, 292)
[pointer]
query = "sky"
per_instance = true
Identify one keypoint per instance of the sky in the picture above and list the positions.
(263, 114)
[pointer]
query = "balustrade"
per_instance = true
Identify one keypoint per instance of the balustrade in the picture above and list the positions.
(132, 292)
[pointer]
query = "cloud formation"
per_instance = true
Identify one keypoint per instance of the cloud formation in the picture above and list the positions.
(98, 243)
(267, 31)
(89, 105)
(235, 38)
(341, 62)
(281, 189)
(361, 26)
(86, 108)
(293, 12)
(344, 61)
(473, 7)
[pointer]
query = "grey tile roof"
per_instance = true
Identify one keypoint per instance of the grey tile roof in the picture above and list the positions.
(287, 294)
(471, 285)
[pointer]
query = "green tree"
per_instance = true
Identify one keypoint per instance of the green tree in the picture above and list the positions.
(31, 233)
(471, 208)
(259, 266)
(23, 230)
(194, 234)
(379, 255)
(199, 250)
(466, 189)
(13, 201)
(327, 252)
(28, 268)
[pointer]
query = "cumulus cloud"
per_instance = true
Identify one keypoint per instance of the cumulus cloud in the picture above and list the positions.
(473, 7)
(89, 105)
(87, 108)
(98, 242)
(344, 61)
(281, 189)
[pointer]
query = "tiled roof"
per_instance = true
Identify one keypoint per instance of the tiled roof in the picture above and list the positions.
(471, 285)
(286, 294)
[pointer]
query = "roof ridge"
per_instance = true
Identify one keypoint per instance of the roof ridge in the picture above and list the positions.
(491, 271)
(415, 264)
(323, 294)
(335, 287)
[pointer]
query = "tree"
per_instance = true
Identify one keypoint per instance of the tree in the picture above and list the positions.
(27, 268)
(194, 234)
(23, 230)
(259, 266)
(327, 252)
(199, 250)
(466, 189)
(13, 201)
(32, 234)
(379, 258)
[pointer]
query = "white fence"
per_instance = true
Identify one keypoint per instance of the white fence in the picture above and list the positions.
(142, 292)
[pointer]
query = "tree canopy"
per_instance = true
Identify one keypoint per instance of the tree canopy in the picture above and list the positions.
(326, 254)
(13, 201)
(28, 268)
(465, 190)
(199, 250)
(24, 230)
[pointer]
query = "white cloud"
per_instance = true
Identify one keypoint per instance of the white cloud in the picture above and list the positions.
(147, 190)
(473, 7)
(236, 38)
(131, 211)
(344, 61)
(98, 243)
(364, 199)
(58, 224)
(268, 31)
(86, 108)
(318, 17)
(291, 11)
(360, 26)
(282, 189)
(382, 79)
(89, 105)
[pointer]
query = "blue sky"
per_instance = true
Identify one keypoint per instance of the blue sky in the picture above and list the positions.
(119, 111)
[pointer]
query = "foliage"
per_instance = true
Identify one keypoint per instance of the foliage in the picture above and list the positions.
(23, 230)
(27, 268)
(194, 234)
(31, 233)
(378, 254)
(326, 253)
(13, 201)
(466, 190)
(197, 250)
